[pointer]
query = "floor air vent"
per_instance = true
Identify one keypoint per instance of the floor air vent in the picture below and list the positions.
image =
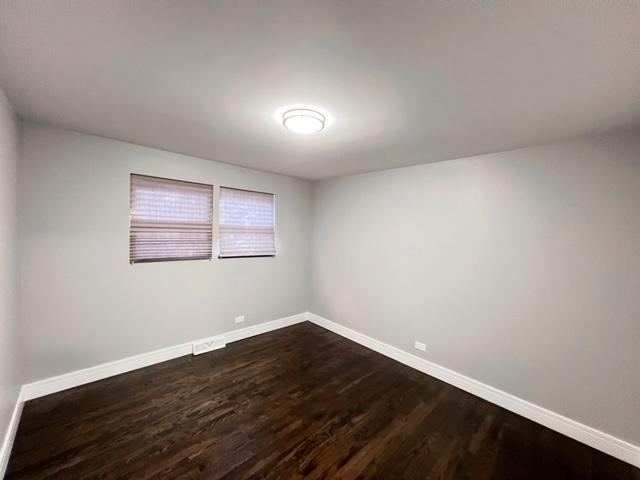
(209, 344)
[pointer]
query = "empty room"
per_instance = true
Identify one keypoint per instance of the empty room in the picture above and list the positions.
(320, 239)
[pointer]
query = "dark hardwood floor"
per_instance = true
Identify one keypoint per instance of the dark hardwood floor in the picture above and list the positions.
(296, 403)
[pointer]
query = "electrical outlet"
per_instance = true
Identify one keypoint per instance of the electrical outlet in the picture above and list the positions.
(240, 319)
(420, 346)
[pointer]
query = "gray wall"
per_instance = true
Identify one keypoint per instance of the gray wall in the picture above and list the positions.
(8, 264)
(83, 304)
(519, 269)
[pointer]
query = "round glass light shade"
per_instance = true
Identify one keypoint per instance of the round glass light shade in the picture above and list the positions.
(303, 121)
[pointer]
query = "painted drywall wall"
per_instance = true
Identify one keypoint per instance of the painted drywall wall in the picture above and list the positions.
(519, 269)
(83, 304)
(8, 264)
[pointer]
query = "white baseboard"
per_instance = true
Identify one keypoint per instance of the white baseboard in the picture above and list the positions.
(10, 435)
(265, 327)
(597, 439)
(99, 372)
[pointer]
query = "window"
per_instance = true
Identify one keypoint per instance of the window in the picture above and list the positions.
(169, 220)
(246, 224)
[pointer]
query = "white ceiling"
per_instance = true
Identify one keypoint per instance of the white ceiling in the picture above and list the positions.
(406, 82)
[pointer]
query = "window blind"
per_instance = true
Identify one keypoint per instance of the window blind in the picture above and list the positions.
(169, 220)
(247, 223)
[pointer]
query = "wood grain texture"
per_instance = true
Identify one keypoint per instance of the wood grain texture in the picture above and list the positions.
(301, 402)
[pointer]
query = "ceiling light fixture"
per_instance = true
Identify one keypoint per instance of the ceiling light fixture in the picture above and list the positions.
(303, 120)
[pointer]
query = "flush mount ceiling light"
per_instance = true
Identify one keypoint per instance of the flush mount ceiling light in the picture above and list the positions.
(304, 121)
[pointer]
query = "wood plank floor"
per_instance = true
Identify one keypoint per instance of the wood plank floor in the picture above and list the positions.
(296, 403)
